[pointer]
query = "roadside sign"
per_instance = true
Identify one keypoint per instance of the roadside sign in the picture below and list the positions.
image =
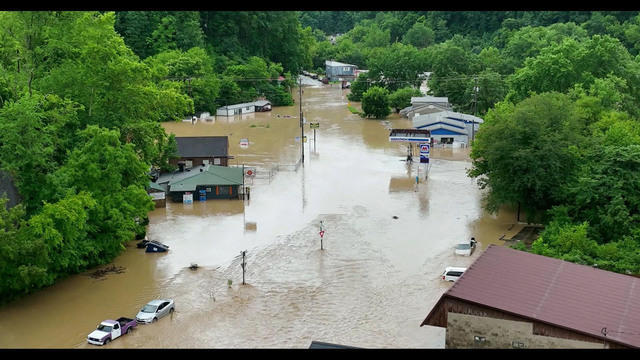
(297, 138)
(304, 139)
(315, 125)
(424, 148)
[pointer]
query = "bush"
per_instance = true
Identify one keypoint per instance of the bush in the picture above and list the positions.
(375, 103)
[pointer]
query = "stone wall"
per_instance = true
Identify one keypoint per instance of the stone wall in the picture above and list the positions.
(470, 331)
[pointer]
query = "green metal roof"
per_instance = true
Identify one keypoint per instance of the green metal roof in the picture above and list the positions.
(156, 186)
(210, 175)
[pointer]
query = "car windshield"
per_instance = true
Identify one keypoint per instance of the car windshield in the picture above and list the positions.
(104, 328)
(463, 246)
(149, 309)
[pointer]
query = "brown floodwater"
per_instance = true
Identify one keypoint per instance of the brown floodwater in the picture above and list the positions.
(371, 286)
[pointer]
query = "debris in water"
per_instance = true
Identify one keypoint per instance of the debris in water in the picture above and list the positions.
(100, 273)
(194, 266)
(395, 217)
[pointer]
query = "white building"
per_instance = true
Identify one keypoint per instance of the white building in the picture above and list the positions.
(448, 127)
(237, 109)
(426, 105)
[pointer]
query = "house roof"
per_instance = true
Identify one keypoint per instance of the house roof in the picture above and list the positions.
(261, 102)
(420, 121)
(429, 99)
(237, 106)
(576, 297)
(7, 187)
(208, 175)
(336, 63)
(202, 146)
(156, 186)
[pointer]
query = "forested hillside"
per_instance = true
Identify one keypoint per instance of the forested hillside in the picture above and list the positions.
(82, 95)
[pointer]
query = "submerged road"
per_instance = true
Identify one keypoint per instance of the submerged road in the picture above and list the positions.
(372, 285)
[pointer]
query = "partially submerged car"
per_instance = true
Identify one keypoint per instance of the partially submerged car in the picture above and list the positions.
(466, 249)
(110, 330)
(453, 273)
(154, 310)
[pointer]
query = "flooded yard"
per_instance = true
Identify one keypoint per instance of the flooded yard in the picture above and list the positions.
(372, 285)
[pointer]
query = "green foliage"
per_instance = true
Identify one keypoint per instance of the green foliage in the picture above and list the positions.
(359, 87)
(532, 140)
(375, 103)
(401, 98)
(419, 36)
(396, 66)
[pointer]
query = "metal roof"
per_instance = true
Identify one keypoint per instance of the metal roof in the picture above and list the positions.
(428, 99)
(261, 103)
(336, 63)
(576, 297)
(450, 117)
(210, 175)
(202, 146)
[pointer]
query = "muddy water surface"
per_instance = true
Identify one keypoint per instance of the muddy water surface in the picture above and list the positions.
(371, 286)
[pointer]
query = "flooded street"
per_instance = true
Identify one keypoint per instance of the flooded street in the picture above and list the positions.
(372, 285)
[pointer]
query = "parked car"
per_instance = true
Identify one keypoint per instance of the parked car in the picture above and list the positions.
(466, 249)
(154, 310)
(453, 273)
(110, 330)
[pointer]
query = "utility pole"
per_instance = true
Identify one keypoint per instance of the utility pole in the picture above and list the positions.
(301, 121)
(475, 109)
(244, 265)
(321, 235)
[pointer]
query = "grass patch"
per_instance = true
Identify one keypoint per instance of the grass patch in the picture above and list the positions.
(353, 109)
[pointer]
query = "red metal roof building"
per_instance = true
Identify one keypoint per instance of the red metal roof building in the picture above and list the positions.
(559, 298)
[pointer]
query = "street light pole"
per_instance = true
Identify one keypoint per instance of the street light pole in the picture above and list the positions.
(301, 120)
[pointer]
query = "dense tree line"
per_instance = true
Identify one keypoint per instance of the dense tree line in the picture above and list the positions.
(209, 55)
(79, 130)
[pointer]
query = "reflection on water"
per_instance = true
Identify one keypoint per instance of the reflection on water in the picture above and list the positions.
(386, 241)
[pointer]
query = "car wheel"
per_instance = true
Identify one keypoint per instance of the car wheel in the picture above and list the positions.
(171, 310)
(128, 330)
(106, 342)
(154, 320)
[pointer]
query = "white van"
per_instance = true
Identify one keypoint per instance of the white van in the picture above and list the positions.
(453, 273)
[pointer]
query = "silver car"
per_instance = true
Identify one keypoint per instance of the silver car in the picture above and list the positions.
(154, 310)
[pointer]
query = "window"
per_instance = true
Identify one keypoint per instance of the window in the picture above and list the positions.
(116, 327)
(454, 273)
(216, 161)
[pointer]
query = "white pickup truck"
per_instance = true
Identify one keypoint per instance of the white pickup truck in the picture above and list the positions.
(110, 330)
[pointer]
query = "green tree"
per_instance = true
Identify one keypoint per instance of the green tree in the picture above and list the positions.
(401, 98)
(419, 36)
(375, 103)
(535, 140)
(359, 87)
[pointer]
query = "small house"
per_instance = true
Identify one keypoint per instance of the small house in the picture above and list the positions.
(337, 71)
(201, 150)
(237, 109)
(203, 183)
(262, 105)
